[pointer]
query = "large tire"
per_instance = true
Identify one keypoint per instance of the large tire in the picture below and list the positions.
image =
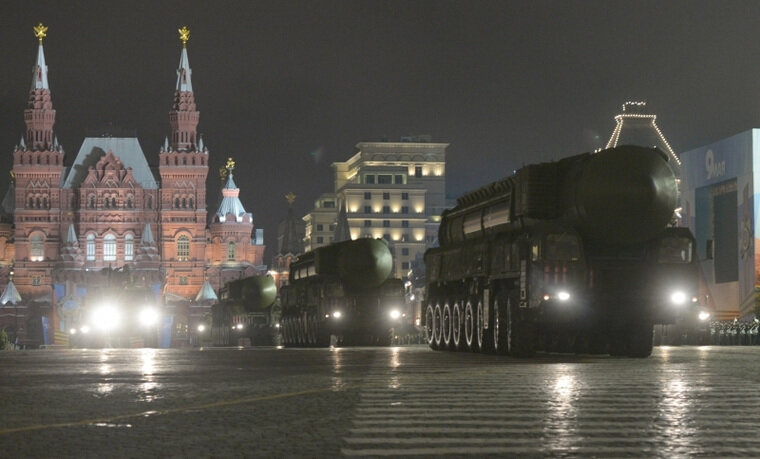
(457, 326)
(484, 339)
(498, 326)
(430, 326)
(438, 326)
(640, 340)
(469, 327)
(521, 336)
(446, 325)
(323, 334)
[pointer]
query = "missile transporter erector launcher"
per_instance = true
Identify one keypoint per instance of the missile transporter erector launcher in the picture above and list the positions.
(571, 256)
(244, 312)
(342, 290)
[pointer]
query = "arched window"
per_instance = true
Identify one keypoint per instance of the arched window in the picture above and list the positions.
(109, 248)
(176, 203)
(231, 251)
(92, 201)
(31, 202)
(90, 246)
(44, 202)
(107, 202)
(129, 247)
(184, 203)
(183, 248)
(150, 202)
(113, 202)
(37, 202)
(191, 203)
(37, 250)
(129, 202)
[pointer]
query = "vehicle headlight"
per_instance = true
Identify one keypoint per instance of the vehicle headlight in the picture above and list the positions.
(563, 296)
(678, 297)
(337, 314)
(395, 314)
(84, 329)
(106, 317)
(704, 315)
(201, 328)
(239, 326)
(73, 331)
(148, 317)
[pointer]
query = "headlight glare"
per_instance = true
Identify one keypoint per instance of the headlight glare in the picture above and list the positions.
(678, 297)
(395, 314)
(148, 317)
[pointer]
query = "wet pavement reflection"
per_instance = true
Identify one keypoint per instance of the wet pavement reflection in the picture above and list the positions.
(406, 401)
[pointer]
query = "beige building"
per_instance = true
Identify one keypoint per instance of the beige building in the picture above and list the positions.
(391, 190)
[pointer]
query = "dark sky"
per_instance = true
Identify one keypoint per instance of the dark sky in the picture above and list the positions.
(288, 87)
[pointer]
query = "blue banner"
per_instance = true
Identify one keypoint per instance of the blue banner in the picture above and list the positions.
(165, 340)
(47, 331)
(60, 290)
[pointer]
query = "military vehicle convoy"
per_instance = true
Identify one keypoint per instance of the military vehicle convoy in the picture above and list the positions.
(244, 313)
(576, 255)
(342, 291)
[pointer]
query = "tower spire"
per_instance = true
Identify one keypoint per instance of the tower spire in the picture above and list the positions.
(39, 115)
(183, 117)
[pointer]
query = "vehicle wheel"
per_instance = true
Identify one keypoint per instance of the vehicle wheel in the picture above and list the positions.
(484, 340)
(469, 327)
(437, 326)
(457, 326)
(499, 328)
(520, 334)
(446, 324)
(640, 340)
(430, 326)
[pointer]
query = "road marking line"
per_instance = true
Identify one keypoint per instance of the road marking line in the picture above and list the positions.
(203, 406)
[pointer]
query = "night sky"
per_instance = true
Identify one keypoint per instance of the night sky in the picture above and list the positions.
(288, 87)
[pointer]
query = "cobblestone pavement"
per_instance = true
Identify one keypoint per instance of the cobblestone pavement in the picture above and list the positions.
(681, 402)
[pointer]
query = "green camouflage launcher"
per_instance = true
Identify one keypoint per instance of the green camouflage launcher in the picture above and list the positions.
(244, 312)
(576, 255)
(343, 290)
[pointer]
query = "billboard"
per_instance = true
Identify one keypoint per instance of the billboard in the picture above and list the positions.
(719, 205)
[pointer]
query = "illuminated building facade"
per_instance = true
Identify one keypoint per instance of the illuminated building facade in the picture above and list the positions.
(66, 229)
(390, 190)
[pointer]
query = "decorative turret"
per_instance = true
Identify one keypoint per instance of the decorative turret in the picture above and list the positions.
(183, 117)
(39, 115)
(147, 252)
(231, 209)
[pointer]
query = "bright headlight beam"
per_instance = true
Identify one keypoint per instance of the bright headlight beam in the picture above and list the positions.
(148, 317)
(337, 314)
(678, 297)
(395, 314)
(105, 318)
(563, 296)
(704, 315)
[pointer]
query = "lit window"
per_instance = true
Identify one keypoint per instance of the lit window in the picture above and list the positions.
(129, 247)
(37, 248)
(91, 247)
(231, 251)
(109, 247)
(183, 248)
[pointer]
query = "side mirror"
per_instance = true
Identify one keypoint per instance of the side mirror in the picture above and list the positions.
(709, 249)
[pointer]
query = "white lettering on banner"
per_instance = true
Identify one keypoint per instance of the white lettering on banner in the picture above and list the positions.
(714, 169)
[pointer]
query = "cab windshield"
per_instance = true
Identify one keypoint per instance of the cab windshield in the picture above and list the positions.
(674, 250)
(562, 247)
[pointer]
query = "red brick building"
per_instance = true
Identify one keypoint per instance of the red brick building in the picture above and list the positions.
(65, 227)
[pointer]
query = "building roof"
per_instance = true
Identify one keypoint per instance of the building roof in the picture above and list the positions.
(206, 293)
(127, 149)
(40, 71)
(10, 294)
(230, 202)
(183, 73)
